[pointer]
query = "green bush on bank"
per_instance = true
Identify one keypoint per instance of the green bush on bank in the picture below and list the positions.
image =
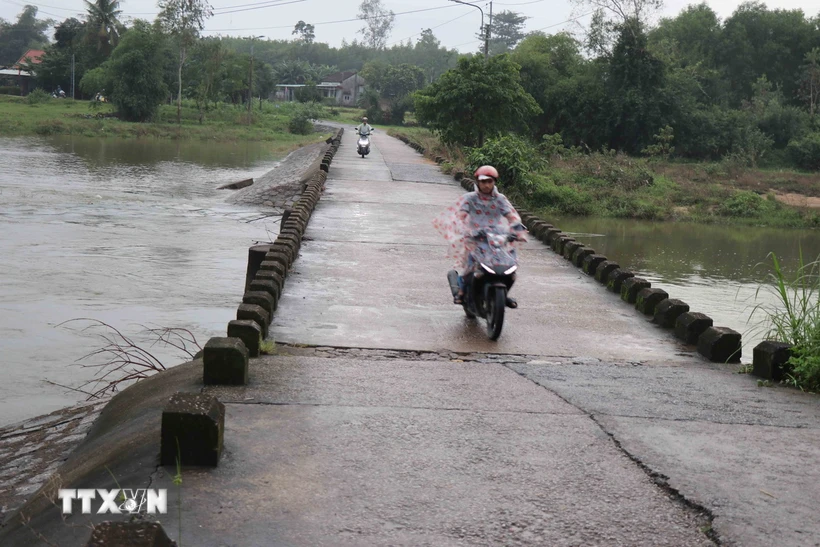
(805, 152)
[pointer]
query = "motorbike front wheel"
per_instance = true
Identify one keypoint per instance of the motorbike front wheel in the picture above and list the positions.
(495, 312)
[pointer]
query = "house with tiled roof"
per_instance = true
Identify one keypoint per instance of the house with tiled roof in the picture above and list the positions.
(19, 74)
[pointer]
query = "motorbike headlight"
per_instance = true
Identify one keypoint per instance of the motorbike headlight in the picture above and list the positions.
(511, 270)
(490, 270)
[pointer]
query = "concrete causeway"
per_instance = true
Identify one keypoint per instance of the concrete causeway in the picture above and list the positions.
(387, 418)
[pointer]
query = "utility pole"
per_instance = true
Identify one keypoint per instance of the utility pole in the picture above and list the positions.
(72, 77)
(250, 86)
(250, 82)
(487, 32)
(486, 42)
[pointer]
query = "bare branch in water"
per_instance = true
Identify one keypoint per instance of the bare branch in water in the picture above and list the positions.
(122, 360)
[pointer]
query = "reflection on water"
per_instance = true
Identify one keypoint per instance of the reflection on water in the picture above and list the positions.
(133, 233)
(717, 270)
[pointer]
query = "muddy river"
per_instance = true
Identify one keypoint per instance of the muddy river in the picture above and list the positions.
(127, 232)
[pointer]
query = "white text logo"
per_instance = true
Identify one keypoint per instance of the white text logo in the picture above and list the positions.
(127, 501)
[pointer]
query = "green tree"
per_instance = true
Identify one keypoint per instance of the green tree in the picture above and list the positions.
(305, 31)
(431, 56)
(183, 19)
(547, 64)
(27, 32)
(506, 31)
(757, 41)
(636, 80)
(378, 22)
(809, 90)
(476, 99)
(103, 24)
(136, 70)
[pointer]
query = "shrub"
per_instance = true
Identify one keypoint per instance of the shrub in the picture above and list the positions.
(37, 96)
(563, 199)
(616, 169)
(10, 90)
(301, 121)
(743, 204)
(514, 158)
(805, 152)
(663, 144)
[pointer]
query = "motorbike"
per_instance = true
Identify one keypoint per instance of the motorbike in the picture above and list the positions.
(363, 145)
(487, 285)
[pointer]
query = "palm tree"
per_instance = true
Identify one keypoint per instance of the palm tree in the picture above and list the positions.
(103, 20)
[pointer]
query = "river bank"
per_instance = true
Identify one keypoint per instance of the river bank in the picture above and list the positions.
(222, 123)
(610, 186)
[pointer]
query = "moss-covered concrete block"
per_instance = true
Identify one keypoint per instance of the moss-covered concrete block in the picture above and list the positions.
(193, 426)
(604, 269)
(591, 263)
(129, 534)
(249, 332)
(648, 300)
(769, 360)
(580, 254)
(631, 287)
(225, 362)
(690, 325)
(560, 243)
(277, 267)
(617, 278)
(271, 275)
(720, 345)
(252, 312)
(265, 285)
(550, 235)
(668, 311)
(570, 247)
(260, 298)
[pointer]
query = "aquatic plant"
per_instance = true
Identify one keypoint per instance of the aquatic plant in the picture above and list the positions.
(795, 319)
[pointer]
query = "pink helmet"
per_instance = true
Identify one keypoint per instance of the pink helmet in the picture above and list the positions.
(486, 171)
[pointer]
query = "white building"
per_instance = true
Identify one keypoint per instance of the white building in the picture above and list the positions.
(344, 87)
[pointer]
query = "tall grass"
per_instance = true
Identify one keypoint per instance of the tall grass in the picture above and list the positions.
(795, 319)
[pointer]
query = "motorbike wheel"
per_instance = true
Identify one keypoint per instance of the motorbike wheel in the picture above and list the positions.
(495, 312)
(467, 312)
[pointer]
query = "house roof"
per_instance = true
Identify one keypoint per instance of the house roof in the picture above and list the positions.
(33, 54)
(339, 76)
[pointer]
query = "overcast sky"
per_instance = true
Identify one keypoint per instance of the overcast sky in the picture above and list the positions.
(455, 25)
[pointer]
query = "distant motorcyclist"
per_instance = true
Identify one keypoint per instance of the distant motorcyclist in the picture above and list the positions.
(364, 129)
(483, 209)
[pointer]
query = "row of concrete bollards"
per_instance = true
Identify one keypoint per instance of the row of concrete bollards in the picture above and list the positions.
(718, 344)
(193, 424)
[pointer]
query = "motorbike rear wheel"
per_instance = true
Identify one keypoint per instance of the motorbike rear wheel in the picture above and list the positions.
(496, 303)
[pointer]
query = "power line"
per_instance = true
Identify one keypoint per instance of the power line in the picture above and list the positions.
(562, 22)
(269, 5)
(431, 28)
(521, 3)
(333, 22)
(538, 29)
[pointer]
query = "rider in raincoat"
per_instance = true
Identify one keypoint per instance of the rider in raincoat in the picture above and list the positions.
(483, 209)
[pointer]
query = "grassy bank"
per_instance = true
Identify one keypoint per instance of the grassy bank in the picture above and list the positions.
(222, 123)
(617, 186)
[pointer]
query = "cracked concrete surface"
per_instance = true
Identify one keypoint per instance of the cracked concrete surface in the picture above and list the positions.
(386, 418)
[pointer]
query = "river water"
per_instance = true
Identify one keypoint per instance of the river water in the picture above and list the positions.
(722, 271)
(132, 233)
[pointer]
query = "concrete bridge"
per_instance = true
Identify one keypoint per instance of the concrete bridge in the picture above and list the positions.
(387, 418)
